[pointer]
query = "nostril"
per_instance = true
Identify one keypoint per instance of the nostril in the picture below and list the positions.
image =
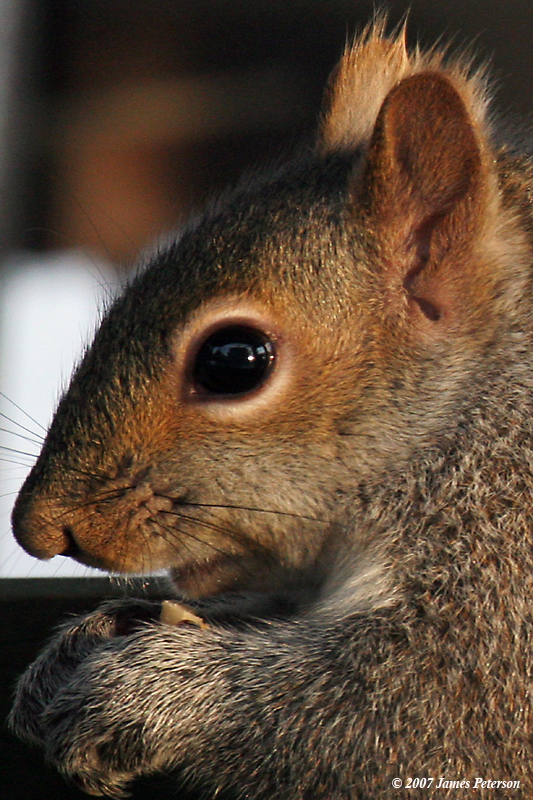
(42, 523)
(35, 529)
(71, 549)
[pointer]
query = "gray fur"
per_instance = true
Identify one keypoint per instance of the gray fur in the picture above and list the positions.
(376, 529)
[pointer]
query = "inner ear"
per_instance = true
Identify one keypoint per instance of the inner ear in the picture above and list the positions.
(419, 258)
(422, 188)
(424, 150)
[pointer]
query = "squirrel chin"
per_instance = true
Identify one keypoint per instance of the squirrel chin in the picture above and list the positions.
(199, 579)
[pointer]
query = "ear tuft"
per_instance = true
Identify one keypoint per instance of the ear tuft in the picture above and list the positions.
(367, 73)
(359, 84)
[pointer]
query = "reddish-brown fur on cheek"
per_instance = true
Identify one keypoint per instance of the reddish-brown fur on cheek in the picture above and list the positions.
(370, 496)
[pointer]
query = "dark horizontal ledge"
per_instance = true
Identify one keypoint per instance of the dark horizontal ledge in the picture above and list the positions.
(106, 586)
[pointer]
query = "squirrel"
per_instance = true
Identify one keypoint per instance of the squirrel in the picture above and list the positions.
(314, 407)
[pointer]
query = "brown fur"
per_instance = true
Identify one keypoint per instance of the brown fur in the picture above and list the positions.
(358, 528)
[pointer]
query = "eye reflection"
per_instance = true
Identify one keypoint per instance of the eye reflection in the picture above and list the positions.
(233, 360)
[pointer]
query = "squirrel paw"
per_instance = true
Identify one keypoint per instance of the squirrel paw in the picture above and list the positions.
(61, 704)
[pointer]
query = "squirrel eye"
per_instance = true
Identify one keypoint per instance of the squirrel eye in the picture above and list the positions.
(233, 360)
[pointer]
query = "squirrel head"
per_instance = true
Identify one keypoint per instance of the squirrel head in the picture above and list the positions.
(309, 334)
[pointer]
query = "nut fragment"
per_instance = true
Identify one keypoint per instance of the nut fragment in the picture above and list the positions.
(173, 613)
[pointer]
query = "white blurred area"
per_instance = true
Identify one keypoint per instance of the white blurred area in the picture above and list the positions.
(49, 309)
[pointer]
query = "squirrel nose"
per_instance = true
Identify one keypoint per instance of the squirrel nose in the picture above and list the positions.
(39, 534)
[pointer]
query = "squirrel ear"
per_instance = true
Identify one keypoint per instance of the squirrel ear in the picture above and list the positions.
(422, 190)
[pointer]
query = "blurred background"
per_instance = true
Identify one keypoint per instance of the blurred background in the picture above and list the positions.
(118, 118)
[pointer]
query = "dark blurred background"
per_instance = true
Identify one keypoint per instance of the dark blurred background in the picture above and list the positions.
(117, 118)
(128, 113)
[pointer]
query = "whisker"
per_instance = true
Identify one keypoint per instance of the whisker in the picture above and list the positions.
(110, 217)
(230, 533)
(210, 525)
(186, 535)
(23, 412)
(18, 463)
(201, 523)
(112, 494)
(77, 472)
(18, 452)
(20, 435)
(259, 510)
(92, 475)
(22, 427)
